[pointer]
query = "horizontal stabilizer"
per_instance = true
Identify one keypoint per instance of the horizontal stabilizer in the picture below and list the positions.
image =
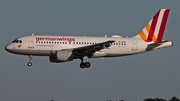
(159, 45)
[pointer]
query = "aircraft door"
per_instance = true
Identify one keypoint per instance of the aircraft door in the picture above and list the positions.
(134, 44)
(31, 42)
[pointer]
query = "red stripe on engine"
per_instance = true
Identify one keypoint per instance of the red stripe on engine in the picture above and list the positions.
(153, 26)
(163, 25)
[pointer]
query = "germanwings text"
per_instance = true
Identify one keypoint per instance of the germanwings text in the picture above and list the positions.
(54, 39)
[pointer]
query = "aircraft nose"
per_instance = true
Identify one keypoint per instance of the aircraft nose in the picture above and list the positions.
(7, 48)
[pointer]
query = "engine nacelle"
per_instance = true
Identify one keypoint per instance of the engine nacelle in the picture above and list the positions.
(62, 56)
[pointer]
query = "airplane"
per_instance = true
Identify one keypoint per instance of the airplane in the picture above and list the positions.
(67, 48)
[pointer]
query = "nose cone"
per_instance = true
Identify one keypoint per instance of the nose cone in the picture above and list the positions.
(11, 48)
(7, 48)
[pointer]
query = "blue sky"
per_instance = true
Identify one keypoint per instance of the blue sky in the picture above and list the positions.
(132, 78)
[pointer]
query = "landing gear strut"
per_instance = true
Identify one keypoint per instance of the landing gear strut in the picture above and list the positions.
(30, 60)
(86, 64)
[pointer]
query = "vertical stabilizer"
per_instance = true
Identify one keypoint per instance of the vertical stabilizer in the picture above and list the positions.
(154, 30)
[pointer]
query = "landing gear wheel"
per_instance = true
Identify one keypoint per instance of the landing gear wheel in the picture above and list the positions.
(82, 65)
(29, 64)
(30, 60)
(87, 64)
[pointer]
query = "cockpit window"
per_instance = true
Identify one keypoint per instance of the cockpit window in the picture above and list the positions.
(17, 41)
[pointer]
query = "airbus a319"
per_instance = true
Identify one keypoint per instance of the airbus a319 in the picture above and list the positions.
(67, 48)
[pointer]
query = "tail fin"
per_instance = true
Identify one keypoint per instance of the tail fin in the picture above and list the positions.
(154, 30)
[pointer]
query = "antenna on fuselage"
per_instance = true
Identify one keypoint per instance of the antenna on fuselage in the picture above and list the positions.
(32, 34)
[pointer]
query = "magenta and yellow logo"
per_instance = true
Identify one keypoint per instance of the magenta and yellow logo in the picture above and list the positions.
(19, 46)
(154, 30)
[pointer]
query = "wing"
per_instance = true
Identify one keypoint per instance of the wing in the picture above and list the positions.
(90, 49)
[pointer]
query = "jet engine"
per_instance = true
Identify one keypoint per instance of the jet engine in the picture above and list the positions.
(62, 56)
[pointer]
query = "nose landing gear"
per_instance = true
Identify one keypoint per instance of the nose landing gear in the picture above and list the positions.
(29, 64)
(30, 60)
(86, 64)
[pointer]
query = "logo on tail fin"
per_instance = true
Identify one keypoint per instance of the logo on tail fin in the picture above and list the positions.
(154, 30)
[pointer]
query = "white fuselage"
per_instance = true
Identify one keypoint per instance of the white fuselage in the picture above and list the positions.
(48, 45)
(66, 48)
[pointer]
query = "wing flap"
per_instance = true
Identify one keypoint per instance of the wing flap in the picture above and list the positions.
(99, 45)
(90, 49)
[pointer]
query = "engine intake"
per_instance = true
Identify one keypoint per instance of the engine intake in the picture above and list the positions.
(62, 56)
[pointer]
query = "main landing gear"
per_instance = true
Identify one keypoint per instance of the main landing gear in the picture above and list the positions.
(86, 64)
(30, 60)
